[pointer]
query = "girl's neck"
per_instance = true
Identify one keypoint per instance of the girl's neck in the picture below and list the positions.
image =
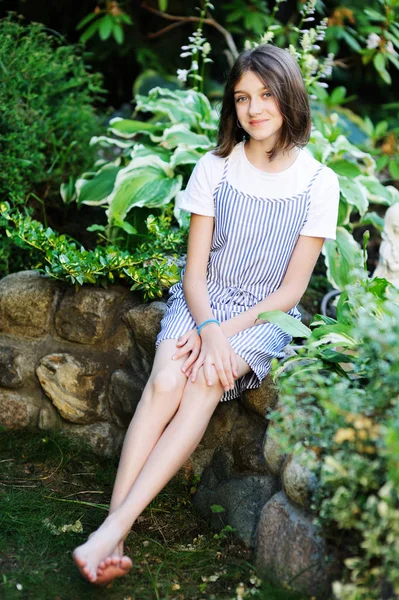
(258, 157)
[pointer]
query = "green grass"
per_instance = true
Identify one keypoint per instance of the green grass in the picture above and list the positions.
(47, 482)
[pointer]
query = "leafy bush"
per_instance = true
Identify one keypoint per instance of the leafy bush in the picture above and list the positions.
(149, 269)
(46, 111)
(154, 157)
(339, 415)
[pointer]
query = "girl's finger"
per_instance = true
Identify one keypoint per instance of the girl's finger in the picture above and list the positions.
(208, 372)
(234, 365)
(198, 363)
(192, 358)
(228, 372)
(182, 340)
(222, 375)
(180, 353)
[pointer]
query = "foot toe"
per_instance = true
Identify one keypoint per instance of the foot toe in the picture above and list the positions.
(125, 563)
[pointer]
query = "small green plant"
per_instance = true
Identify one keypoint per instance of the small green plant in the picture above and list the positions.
(105, 22)
(150, 269)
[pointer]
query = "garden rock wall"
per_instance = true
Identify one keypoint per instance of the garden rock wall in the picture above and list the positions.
(77, 362)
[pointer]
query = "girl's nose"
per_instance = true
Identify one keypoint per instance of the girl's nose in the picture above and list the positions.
(255, 108)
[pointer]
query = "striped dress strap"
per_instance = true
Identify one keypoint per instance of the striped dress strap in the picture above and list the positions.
(224, 175)
(311, 182)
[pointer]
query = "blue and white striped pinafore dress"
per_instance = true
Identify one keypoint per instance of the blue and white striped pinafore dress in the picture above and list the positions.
(252, 243)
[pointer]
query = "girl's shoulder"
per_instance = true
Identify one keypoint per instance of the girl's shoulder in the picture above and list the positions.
(210, 166)
(310, 165)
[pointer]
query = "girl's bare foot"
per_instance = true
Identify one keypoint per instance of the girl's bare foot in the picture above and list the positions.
(98, 548)
(113, 566)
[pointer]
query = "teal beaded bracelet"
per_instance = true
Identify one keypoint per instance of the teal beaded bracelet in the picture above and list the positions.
(206, 323)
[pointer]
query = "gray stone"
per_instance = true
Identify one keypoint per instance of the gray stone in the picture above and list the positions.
(262, 399)
(17, 411)
(75, 386)
(88, 316)
(246, 444)
(290, 550)
(272, 453)
(145, 322)
(242, 497)
(26, 304)
(299, 483)
(49, 417)
(10, 370)
(218, 433)
(124, 395)
(105, 439)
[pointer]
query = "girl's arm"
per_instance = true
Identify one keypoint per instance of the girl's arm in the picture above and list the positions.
(292, 288)
(215, 348)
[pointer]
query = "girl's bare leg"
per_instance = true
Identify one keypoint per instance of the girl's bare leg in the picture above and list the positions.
(174, 447)
(158, 404)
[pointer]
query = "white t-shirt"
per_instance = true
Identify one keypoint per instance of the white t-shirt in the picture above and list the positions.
(241, 174)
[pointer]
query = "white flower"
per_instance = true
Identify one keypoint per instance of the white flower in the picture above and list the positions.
(305, 41)
(267, 37)
(206, 48)
(373, 40)
(194, 65)
(390, 48)
(182, 74)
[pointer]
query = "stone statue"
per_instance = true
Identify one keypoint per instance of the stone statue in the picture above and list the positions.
(388, 264)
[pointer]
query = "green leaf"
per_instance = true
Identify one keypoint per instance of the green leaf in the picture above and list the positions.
(338, 95)
(372, 218)
(125, 226)
(95, 228)
(163, 5)
(146, 181)
(90, 32)
(374, 15)
(216, 508)
(127, 128)
(380, 65)
(96, 190)
(345, 167)
(105, 27)
(322, 320)
(87, 19)
(184, 156)
(393, 168)
(286, 322)
(180, 135)
(337, 334)
(377, 193)
(118, 33)
(341, 257)
(354, 193)
(351, 41)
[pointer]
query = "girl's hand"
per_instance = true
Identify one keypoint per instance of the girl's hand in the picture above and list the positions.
(216, 350)
(190, 343)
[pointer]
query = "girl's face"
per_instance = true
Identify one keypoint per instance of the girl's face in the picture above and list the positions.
(257, 110)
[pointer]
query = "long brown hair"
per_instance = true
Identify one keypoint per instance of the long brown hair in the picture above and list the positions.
(282, 76)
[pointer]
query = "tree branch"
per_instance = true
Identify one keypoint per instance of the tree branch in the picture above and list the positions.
(181, 20)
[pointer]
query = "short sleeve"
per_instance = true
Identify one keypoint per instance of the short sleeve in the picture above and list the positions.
(324, 202)
(198, 195)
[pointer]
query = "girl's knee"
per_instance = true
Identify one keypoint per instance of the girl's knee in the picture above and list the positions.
(167, 381)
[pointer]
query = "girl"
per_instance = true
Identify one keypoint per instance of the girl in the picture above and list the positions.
(261, 209)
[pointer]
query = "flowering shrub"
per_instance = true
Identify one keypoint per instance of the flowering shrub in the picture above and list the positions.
(343, 423)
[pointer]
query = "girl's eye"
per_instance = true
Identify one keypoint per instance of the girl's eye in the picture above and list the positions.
(268, 94)
(241, 98)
